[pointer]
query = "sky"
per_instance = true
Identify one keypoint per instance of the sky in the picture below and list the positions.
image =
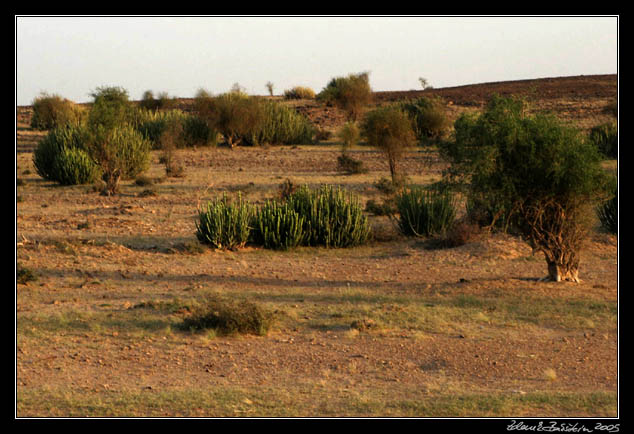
(72, 56)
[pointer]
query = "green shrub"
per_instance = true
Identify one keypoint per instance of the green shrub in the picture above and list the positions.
(164, 101)
(50, 147)
(425, 212)
(235, 115)
(609, 215)
(608, 211)
(428, 117)
(74, 166)
(224, 225)
(110, 108)
(606, 138)
(196, 132)
(349, 134)
(52, 111)
(386, 208)
(24, 275)
(228, 317)
(131, 151)
(152, 125)
(121, 153)
(349, 93)
(349, 165)
(282, 125)
(332, 218)
(278, 226)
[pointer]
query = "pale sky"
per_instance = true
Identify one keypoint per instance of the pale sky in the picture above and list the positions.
(72, 56)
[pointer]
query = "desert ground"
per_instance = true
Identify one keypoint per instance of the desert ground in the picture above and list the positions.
(399, 327)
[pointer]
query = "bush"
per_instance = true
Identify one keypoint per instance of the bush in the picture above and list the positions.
(130, 150)
(331, 217)
(386, 208)
(73, 166)
(24, 275)
(425, 212)
(282, 125)
(462, 232)
(52, 111)
(299, 92)
(349, 165)
(196, 132)
(110, 108)
(229, 317)
(606, 138)
(609, 215)
(121, 152)
(349, 134)
(224, 225)
(152, 125)
(51, 146)
(164, 101)
(428, 118)
(278, 226)
(608, 211)
(349, 93)
(235, 115)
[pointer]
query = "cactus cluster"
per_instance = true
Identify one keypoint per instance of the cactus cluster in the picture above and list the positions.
(425, 212)
(223, 224)
(326, 217)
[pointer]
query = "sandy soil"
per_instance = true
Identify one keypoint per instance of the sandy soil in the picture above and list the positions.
(99, 257)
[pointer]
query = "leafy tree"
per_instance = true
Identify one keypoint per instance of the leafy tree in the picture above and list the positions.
(269, 87)
(538, 174)
(390, 129)
(235, 115)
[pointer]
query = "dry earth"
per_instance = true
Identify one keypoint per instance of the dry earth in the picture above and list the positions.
(86, 346)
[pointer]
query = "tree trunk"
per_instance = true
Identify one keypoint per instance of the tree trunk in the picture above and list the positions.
(393, 173)
(563, 272)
